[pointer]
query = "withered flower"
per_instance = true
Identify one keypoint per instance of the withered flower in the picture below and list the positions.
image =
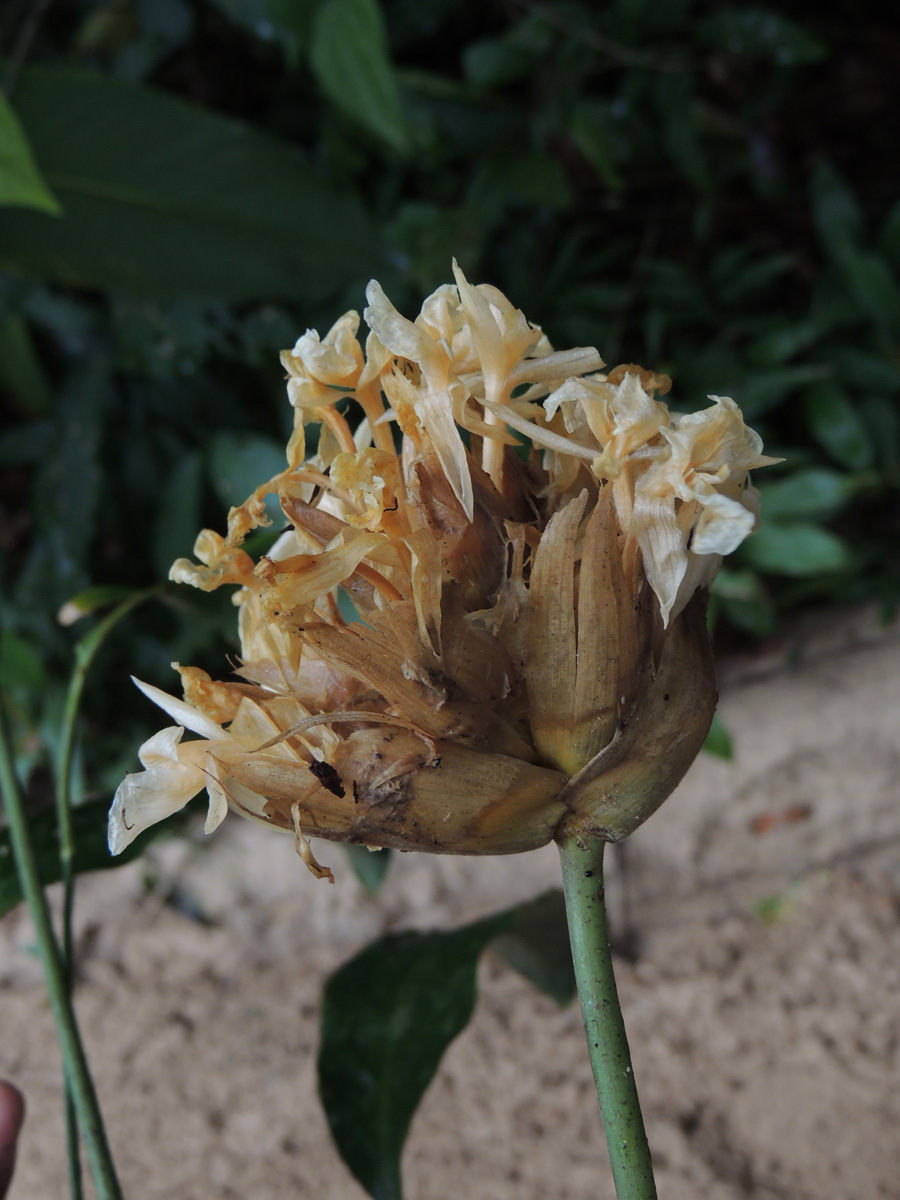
(522, 542)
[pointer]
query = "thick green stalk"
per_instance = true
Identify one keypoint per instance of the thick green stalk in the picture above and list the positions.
(78, 1074)
(629, 1153)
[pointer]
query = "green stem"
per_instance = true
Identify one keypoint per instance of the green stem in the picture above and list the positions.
(629, 1153)
(78, 1074)
(85, 652)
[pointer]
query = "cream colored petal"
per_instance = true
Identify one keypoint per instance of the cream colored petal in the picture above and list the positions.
(722, 525)
(655, 527)
(542, 437)
(147, 797)
(218, 801)
(434, 402)
(191, 718)
(302, 579)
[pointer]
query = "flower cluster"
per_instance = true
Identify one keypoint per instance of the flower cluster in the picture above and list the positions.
(484, 621)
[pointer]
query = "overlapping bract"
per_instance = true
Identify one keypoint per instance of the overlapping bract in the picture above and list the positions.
(528, 649)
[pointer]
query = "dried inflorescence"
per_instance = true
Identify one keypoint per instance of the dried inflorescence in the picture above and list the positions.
(525, 541)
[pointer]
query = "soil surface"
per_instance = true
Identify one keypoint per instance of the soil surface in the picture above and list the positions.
(761, 907)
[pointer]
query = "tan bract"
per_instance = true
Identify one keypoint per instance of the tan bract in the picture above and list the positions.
(483, 622)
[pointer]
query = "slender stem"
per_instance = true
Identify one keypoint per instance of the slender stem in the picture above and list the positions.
(85, 653)
(629, 1153)
(67, 874)
(78, 1074)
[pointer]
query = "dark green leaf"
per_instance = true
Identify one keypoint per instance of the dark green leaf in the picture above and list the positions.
(349, 57)
(178, 518)
(882, 418)
(874, 287)
(287, 22)
(889, 238)
(753, 277)
(369, 866)
(91, 850)
(862, 370)
(785, 342)
(589, 131)
(162, 199)
(676, 108)
(837, 426)
(763, 32)
(816, 492)
(20, 181)
(20, 368)
(836, 212)
(387, 1018)
(20, 663)
(537, 946)
(240, 462)
(718, 740)
(742, 599)
(795, 549)
(66, 495)
(762, 390)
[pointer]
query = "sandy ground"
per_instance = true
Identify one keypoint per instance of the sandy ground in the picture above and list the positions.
(766, 1050)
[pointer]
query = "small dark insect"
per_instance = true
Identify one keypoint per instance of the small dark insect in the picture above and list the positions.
(328, 777)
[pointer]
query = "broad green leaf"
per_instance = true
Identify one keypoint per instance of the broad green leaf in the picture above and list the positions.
(796, 549)
(537, 946)
(837, 426)
(835, 212)
(20, 181)
(350, 59)
(817, 492)
(91, 850)
(387, 1017)
(718, 740)
(369, 866)
(163, 199)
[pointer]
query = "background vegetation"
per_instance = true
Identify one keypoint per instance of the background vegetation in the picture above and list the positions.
(186, 185)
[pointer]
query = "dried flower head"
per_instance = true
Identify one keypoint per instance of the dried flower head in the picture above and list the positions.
(522, 542)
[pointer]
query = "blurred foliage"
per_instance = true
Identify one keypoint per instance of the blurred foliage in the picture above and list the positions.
(186, 185)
